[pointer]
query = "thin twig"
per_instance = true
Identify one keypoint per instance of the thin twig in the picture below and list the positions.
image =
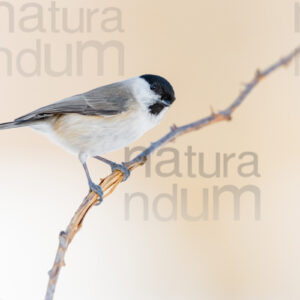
(113, 180)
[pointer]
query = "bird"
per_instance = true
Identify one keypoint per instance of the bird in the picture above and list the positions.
(102, 120)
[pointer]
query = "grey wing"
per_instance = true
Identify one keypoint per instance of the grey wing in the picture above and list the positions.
(104, 101)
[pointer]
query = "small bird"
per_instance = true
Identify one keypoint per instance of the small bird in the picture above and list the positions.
(102, 120)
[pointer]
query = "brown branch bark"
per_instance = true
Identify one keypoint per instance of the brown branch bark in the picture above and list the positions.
(109, 183)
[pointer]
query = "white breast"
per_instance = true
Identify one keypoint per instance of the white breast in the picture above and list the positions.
(89, 136)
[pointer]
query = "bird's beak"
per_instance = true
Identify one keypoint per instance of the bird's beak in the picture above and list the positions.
(165, 103)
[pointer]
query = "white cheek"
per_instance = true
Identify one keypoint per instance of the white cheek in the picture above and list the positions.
(143, 94)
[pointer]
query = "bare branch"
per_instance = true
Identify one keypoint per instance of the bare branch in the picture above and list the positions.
(113, 180)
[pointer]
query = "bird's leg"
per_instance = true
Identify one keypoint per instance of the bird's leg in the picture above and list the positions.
(114, 166)
(93, 186)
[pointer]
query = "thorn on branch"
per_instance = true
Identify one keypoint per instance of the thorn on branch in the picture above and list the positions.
(227, 116)
(174, 128)
(63, 239)
(258, 75)
(213, 113)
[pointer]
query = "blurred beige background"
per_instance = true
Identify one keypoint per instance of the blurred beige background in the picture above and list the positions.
(207, 49)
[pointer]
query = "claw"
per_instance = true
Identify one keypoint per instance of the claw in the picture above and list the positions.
(122, 168)
(98, 190)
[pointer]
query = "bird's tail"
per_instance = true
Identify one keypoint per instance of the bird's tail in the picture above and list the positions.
(10, 125)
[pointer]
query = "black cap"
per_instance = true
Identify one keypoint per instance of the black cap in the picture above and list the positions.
(161, 87)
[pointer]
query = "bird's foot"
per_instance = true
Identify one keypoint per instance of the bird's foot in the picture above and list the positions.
(122, 168)
(98, 190)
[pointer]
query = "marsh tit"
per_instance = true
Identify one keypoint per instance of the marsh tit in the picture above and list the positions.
(102, 120)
